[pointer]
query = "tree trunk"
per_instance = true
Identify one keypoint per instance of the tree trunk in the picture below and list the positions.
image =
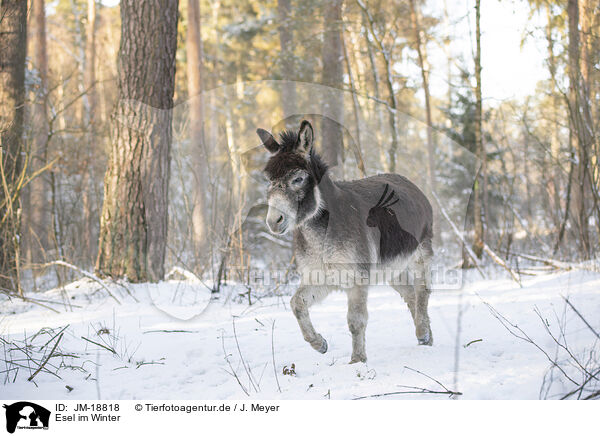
(576, 129)
(448, 53)
(13, 48)
(195, 69)
(89, 79)
(36, 219)
(561, 231)
(586, 135)
(333, 98)
(589, 29)
(424, 65)
(356, 143)
(385, 163)
(286, 42)
(392, 106)
(586, 18)
(480, 182)
(133, 226)
(555, 137)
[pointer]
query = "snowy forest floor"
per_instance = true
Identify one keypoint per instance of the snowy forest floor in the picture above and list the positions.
(139, 350)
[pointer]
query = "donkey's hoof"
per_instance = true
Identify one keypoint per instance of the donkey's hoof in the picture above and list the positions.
(323, 348)
(358, 359)
(320, 346)
(427, 339)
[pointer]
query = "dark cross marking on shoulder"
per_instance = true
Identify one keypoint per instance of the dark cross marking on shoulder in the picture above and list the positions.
(393, 239)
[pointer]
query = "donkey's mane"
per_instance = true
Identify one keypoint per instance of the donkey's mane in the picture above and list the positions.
(317, 166)
(288, 140)
(287, 158)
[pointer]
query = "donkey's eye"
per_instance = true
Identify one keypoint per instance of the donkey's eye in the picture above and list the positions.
(298, 180)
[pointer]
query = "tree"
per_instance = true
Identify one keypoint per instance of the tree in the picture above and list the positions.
(578, 137)
(133, 225)
(89, 103)
(195, 68)
(13, 28)
(555, 138)
(36, 205)
(333, 98)
(480, 187)
(424, 66)
(286, 42)
(590, 38)
(377, 36)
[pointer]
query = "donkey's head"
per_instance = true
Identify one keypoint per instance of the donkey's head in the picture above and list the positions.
(294, 171)
(381, 214)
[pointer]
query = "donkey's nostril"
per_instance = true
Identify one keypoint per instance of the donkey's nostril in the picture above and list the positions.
(280, 219)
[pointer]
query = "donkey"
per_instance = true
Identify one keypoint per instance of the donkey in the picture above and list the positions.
(338, 229)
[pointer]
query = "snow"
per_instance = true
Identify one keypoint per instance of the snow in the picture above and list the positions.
(172, 344)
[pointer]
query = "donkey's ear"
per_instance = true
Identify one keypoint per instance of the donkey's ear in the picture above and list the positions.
(305, 137)
(268, 140)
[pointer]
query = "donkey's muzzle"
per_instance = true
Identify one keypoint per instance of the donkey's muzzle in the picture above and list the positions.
(276, 221)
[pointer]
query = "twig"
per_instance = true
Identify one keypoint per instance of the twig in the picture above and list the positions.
(61, 330)
(18, 365)
(118, 283)
(580, 388)
(97, 381)
(84, 273)
(581, 317)
(557, 264)
(503, 264)
(246, 367)
(148, 363)
(429, 377)
(273, 354)
(459, 236)
(47, 358)
(472, 342)
(415, 391)
(525, 337)
(233, 373)
(560, 344)
(31, 300)
(592, 396)
(170, 331)
(100, 345)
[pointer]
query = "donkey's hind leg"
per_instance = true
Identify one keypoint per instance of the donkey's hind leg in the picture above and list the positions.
(357, 322)
(422, 323)
(300, 302)
(408, 295)
(422, 293)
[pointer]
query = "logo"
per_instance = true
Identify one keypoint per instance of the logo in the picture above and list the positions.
(26, 415)
(393, 239)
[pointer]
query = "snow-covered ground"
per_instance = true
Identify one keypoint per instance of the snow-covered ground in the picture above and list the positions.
(160, 355)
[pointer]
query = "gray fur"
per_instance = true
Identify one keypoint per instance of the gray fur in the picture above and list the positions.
(329, 219)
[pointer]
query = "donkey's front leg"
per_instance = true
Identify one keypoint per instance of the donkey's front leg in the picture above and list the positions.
(357, 322)
(300, 302)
